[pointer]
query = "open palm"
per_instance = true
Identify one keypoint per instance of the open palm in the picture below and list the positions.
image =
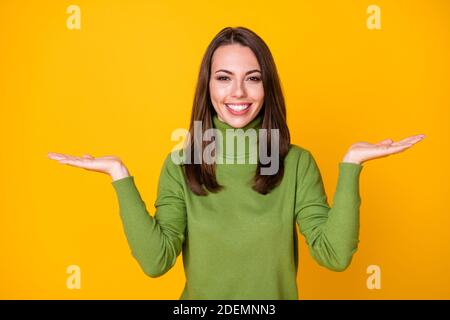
(104, 164)
(363, 151)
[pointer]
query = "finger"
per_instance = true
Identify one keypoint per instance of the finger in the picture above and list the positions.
(88, 156)
(406, 141)
(60, 156)
(385, 141)
(398, 148)
(54, 155)
(74, 157)
(67, 161)
(412, 139)
(73, 162)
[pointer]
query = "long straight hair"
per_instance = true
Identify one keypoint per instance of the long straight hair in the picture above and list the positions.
(202, 175)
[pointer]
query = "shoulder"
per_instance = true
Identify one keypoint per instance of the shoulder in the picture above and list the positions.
(298, 153)
(175, 158)
(301, 160)
(173, 165)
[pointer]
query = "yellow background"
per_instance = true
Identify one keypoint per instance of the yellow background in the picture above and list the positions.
(126, 80)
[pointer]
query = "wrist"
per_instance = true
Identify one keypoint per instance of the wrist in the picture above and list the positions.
(119, 172)
(349, 159)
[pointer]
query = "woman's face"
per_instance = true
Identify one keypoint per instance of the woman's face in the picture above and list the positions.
(236, 86)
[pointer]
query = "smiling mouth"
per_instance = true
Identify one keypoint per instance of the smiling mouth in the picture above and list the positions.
(238, 108)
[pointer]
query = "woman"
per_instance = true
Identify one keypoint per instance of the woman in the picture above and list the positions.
(234, 224)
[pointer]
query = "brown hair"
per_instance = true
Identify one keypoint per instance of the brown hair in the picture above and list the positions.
(273, 111)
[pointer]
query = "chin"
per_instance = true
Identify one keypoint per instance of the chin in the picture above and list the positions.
(238, 121)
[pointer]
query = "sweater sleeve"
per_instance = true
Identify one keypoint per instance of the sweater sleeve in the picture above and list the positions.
(332, 234)
(155, 242)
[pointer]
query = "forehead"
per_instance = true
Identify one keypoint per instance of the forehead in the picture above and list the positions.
(234, 57)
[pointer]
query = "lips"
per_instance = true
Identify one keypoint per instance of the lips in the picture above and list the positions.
(238, 108)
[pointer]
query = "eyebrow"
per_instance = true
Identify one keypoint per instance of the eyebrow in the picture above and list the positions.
(229, 72)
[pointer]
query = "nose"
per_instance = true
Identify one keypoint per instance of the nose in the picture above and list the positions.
(238, 89)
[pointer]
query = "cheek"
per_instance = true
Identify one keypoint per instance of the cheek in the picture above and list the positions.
(218, 93)
(257, 93)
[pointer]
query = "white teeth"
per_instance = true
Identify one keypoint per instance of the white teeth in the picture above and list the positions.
(238, 107)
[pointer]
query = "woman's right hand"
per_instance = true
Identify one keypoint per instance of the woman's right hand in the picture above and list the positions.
(110, 165)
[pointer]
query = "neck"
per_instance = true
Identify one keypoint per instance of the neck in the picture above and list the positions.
(237, 143)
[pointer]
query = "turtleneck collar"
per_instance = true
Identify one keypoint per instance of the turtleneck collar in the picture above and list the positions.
(250, 146)
(254, 124)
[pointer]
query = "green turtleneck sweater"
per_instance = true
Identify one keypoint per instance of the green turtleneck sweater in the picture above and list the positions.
(237, 243)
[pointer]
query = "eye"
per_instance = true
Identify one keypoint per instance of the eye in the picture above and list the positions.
(256, 79)
(221, 78)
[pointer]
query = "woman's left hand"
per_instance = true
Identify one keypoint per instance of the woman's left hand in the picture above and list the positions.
(363, 151)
